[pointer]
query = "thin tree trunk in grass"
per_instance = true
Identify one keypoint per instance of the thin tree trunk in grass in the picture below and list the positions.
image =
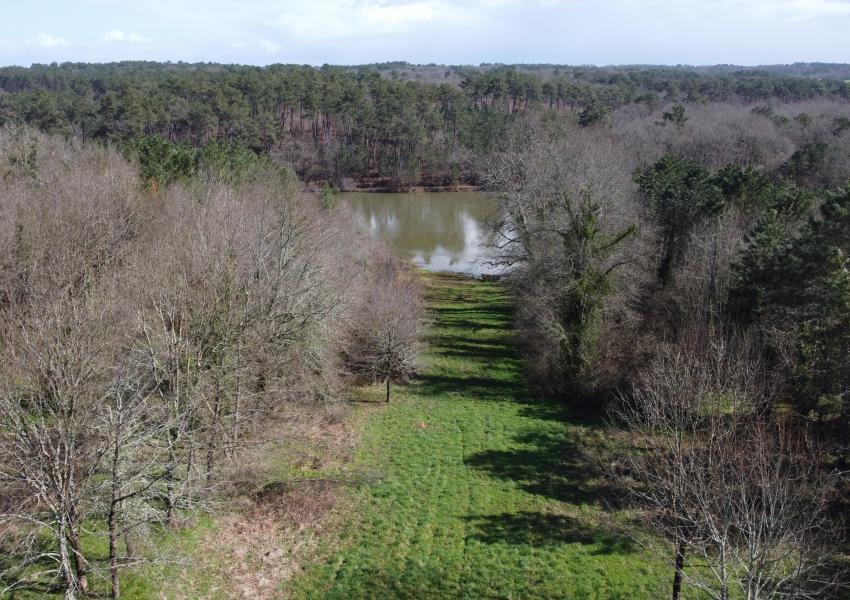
(129, 548)
(238, 391)
(79, 559)
(680, 564)
(173, 436)
(65, 562)
(112, 523)
(190, 455)
(170, 513)
(113, 551)
(211, 438)
(210, 461)
(388, 389)
(190, 465)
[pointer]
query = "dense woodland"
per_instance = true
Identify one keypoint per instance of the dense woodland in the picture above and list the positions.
(394, 124)
(677, 243)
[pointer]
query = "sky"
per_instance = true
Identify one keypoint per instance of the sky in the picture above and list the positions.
(260, 32)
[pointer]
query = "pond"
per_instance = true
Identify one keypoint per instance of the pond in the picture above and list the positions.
(442, 231)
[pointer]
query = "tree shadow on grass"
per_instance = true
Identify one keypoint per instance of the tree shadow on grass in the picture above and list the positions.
(474, 326)
(499, 310)
(460, 347)
(550, 464)
(18, 579)
(496, 315)
(480, 388)
(540, 529)
(551, 459)
(379, 402)
(30, 590)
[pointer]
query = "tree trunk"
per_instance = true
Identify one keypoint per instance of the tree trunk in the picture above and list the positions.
(79, 559)
(680, 564)
(188, 489)
(112, 521)
(212, 434)
(238, 392)
(113, 552)
(129, 548)
(65, 562)
(170, 500)
(388, 390)
(844, 428)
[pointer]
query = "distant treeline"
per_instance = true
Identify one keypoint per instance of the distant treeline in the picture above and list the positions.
(395, 122)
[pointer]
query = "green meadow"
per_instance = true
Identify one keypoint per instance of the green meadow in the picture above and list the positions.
(482, 489)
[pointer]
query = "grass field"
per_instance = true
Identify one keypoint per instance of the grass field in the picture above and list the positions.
(482, 490)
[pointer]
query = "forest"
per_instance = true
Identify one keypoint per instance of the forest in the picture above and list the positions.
(662, 373)
(393, 124)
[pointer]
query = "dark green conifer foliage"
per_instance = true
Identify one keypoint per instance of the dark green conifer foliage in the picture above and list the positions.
(680, 194)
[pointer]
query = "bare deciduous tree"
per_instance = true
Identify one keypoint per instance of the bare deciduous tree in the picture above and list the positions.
(741, 498)
(385, 333)
(131, 423)
(141, 340)
(60, 333)
(56, 377)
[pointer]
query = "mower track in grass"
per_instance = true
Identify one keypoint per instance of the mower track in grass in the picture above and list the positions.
(478, 489)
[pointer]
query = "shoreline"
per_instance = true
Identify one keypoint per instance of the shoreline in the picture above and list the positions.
(415, 189)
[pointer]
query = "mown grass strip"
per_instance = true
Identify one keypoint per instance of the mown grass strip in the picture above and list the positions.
(482, 489)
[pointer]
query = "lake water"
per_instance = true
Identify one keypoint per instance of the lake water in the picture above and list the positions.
(444, 231)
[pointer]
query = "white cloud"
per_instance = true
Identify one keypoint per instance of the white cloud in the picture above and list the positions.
(269, 46)
(117, 35)
(323, 20)
(819, 8)
(45, 40)
(806, 10)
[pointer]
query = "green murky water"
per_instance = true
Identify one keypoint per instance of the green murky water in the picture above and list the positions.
(446, 231)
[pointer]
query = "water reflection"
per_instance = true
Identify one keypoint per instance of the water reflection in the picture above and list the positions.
(439, 231)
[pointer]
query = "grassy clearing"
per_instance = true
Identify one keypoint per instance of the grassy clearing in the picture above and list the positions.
(469, 487)
(482, 489)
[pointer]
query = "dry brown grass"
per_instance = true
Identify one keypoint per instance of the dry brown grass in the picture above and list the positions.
(272, 516)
